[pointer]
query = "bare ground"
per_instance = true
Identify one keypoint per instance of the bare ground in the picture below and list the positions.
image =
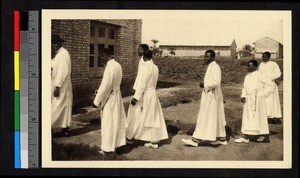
(180, 115)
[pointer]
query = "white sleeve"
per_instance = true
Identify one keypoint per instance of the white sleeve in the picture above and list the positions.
(269, 86)
(143, 79)
(214, 79)
(104, 87)
(62, 68)
(276, 72)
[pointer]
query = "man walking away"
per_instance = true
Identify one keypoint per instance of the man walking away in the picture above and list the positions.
(61, 95)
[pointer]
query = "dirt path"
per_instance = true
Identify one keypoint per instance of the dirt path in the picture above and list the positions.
(181, 120)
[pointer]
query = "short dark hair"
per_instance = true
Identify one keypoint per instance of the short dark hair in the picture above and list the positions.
(56, 39)
(267, 53)
(212, 52)
(107, 51)
(144, 46)
(255, 63)
(148, 54)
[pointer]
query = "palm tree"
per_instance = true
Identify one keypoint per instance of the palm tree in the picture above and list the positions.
(154, 41)
(154, 49)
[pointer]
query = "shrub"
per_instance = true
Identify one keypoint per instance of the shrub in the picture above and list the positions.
(233, 71)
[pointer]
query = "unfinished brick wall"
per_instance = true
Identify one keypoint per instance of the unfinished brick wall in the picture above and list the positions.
(76, 34)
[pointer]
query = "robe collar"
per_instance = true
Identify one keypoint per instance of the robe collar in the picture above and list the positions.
(266, 62)
(59, 50)
(210, 64)
(142, 59)
(253, 73)
(110, 61)
(148, 62)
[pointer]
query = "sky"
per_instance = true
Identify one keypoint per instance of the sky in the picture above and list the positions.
(210, 31)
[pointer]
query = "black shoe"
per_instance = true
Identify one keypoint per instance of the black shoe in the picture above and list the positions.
(274, 121)
(263, 139)
(277, 120)
(65, 132)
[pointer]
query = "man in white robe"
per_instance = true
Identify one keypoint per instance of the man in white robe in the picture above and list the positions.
(272, 71)
(142, 48)
(113, 122)
(62, 95)
(256, 89)
(134, 112)
(152, 127)
(211, 118)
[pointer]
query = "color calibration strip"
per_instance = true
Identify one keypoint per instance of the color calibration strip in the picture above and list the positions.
(24, 47)
(17, 88)
(26, 101)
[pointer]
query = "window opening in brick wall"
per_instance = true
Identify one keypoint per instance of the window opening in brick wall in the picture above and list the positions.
(112, 49)
(111, 34)
(101, 32)
(102, 36)
(100, 51)
(92, 47)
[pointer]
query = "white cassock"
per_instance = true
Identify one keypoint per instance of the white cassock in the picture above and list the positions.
(134, 112)
(272, 71)
(211, 118)
(152, 125)
(113, 123)
(256, 88)
(138, 79)
(61, 106)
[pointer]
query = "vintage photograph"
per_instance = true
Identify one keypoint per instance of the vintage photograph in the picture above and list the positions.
(166, 89)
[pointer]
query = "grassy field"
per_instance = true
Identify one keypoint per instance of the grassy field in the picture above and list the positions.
(179, 95)
(233, 70)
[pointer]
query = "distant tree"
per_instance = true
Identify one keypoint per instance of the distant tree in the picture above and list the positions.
(154, 49)
(160, 51)
(154, 41)
(172, 51)
(247, 50)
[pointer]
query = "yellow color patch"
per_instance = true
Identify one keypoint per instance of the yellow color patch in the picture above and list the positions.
(17, 70)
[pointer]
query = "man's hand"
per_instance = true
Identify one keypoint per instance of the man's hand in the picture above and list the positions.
(133, 91)
(95, 92)
(94, 105)
(243, 100)
(56, 92)
(133, 101)
(201, 85)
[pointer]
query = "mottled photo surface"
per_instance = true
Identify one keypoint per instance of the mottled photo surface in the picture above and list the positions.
(166, 89)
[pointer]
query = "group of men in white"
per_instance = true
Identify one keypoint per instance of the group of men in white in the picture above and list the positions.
(145, 120)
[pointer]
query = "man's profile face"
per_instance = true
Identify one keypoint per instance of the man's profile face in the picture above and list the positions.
(251, 67)
(265, 58)
(141, 51)
(54, 48)
(208, 58)
(104, 58)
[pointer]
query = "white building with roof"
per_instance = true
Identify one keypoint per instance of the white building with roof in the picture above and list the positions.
(197, 49)
(270, 45)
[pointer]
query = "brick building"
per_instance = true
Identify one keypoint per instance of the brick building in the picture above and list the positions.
(268, 44)
(85, 40)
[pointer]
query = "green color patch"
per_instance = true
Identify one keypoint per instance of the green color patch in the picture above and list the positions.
(17, 109)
